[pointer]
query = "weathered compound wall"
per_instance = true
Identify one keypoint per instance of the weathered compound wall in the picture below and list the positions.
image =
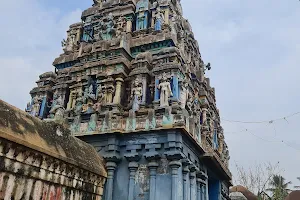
(40, 160)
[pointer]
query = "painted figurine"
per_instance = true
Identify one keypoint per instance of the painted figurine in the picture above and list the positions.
(36, 105)
(57, 109)
(184, 95)
(159, 19)
(100, 98)
(165, 91)
(136, 95)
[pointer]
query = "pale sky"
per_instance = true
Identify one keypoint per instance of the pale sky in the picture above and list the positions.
(253, 47)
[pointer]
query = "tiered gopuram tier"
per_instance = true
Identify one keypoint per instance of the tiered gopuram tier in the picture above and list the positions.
(135, 67)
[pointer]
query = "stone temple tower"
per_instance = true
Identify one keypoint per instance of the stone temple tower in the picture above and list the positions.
(131, 83)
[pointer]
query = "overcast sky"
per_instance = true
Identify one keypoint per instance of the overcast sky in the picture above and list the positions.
(253, 46)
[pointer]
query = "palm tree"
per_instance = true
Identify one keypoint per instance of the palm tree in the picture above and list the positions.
(279, 187)
(297, 187)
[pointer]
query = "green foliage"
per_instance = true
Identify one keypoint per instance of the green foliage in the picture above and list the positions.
(279, 188)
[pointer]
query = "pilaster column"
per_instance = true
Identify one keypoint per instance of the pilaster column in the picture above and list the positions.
(153, 165)
(204, 116)
(186, 193)
(43, 107)
(144, 90)
(198, 188)
(192, 182)
(110, 166)
(129, 24)
(133, 166)
(117, 98)
(167, 16)
(156, 95)
(175, 87)
(71, 99)
(174, 168)
(203, 191)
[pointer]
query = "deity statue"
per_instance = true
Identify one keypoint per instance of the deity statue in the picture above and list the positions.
(226, 156)
(89, 95)
(121, 22)
(204, 116)
(57, 108)
(159, 19)
(110, 24)
(136, 95)
(100, 98)
(165, 91)
(93, 122)
(221, 141)
(78, 106)
(36, 105)
(141, 21)
(69, 44)
(190, 101)
(110, 89)
(184, 95)
(107, 27)
(75, 127)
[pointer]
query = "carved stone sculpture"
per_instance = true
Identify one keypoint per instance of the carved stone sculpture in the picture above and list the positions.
(165, 91)
(184, 95)
(93, 122)
(190, 102)
(57, 109)
(100, 99)
(121, 23)
(107, 28)
(221, 141)
(136, 95)
(159, 19)
(75, 127)
(36, 105)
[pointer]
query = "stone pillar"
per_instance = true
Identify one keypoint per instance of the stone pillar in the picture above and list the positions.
(110, 166)
(167, 16)
(117, 98)
(203, 186)
(186, 193)
(174, 167)
(43, 107)
(156, 95)
(152, 168)
(192, 180)
(175, 88)
(70, 102)
(198, 189)
(204, 116)
(133, 166)
(144, 82)
(129, 24)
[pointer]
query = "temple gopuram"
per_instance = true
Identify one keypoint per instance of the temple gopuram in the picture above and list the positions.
(131, 82)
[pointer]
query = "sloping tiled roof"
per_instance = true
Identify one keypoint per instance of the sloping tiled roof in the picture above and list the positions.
(295, 195)
(249, 195)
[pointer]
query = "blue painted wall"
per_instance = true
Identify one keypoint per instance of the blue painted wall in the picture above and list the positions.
(163, 143)
(214, 187)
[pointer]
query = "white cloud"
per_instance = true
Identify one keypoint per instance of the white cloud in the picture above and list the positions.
(30, 40)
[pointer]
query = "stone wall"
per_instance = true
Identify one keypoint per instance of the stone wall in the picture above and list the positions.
(40, 160)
